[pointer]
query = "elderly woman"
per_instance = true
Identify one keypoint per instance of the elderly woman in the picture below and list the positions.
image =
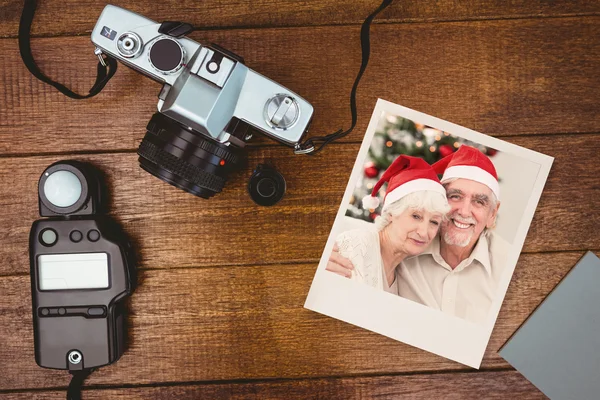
(413, 209)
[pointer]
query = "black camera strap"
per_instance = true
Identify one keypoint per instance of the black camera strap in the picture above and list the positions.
(178, 29)
(308, 147)
(105, 70)
(108, 66)
(74, 390)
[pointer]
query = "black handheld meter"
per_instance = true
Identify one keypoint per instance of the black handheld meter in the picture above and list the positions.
(82, 268)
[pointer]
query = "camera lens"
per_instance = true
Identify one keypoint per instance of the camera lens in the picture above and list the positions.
(186, 159)
(266, 186)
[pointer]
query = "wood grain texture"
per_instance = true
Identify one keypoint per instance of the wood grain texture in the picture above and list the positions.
(508, 77)
(219, 308)
(230, 323)
(171, 228)
(51, 19)
(455, 386)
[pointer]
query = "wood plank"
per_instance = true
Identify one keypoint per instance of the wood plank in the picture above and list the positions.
(488, 385)
(508, 77)
(229, 323)
(50, 18)
(171, 228)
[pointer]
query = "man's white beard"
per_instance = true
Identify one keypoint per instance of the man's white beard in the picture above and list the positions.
(460, 240)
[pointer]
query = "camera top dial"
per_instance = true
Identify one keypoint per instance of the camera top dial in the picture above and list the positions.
(281, 111)
(129, 45)
(166, 55)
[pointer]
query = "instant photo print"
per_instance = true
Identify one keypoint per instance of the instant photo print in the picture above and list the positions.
(430, 299)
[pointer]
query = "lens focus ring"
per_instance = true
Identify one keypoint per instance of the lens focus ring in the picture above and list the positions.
(165, 134)
(186, 159)
(180, 168)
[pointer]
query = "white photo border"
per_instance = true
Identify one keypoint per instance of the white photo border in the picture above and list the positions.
(402, 319)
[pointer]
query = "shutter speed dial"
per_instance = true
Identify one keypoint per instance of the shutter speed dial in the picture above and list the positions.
(166, 55)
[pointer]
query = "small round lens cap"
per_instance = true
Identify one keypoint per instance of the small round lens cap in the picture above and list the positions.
(266, 185)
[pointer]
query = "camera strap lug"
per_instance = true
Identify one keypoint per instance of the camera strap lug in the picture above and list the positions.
(299, 149)
(98, 52)
(307, 147)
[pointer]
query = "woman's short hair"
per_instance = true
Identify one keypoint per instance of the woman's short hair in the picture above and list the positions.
(427, 200)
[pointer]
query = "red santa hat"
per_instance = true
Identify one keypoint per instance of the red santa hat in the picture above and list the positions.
(404, 176)
(469, 163)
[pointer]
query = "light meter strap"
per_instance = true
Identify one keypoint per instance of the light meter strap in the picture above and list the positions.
(308, 147)
(74, 390)
(106, 67)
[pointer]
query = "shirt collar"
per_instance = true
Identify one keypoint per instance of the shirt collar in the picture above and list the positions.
(434, 251)
(480, 252)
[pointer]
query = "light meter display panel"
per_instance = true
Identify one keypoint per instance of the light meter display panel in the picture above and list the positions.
(73, 271)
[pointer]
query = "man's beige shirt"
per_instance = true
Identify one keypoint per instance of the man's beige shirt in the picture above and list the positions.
(466, 291)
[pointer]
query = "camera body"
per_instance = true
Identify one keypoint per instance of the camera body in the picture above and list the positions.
(209, 102)
(82, 268)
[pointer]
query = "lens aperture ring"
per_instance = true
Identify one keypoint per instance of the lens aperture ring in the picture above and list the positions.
(183, 169)
(219, 151)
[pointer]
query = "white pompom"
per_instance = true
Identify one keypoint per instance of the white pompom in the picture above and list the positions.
(370, 202)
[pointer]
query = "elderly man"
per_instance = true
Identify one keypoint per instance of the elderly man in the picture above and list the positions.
(460, 271)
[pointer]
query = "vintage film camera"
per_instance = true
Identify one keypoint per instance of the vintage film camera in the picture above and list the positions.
(82, 268)
(207, 105)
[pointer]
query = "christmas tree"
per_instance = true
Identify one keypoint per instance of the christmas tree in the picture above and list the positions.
(398, 136)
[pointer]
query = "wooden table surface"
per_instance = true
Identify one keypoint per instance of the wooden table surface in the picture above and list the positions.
(218, 312)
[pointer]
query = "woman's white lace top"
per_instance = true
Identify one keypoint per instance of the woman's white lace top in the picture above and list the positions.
(361, 247)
